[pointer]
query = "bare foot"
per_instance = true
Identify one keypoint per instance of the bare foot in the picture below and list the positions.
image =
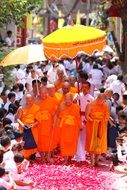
(112, 168)
(50, 161)
(44, 160)
(97, 164)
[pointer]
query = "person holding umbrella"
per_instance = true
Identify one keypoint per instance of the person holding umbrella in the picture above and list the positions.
(26, 116)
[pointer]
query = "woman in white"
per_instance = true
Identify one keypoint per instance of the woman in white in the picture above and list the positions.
(96, 77)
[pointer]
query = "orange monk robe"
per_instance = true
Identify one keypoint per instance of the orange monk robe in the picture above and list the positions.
(96, 130)
(69, 124)
(45, 131)
(58, 84)
(58, 96)
(29, 117)
(73, 90)
(63, 97)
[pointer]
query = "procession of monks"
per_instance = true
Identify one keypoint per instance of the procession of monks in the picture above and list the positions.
(55, 121)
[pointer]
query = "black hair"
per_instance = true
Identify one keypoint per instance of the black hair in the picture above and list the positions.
(15, 87)
(60, 61)
(2, 187)
(12, 109)
(102, 90)
(21, 87)
(86, 82)
(125, 96)
(119, 108)
(18, 158)
(17, 103)
(18, 134)
(11, 95)
(1, 114)
(8, 127)
(6, 121)
(83, 75)
(116, 94)
(5, 140)
(1, 156)
(29, 67)
(44, 79)
(110, 65)
(95, 66)
(120, 78)
(5, 111)
(2, 171)
(10, 134)
(17, 67)
(9, 32)
(35, 81)
(1, 131)
(123, 116)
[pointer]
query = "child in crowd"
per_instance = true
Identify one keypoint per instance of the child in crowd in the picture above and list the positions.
(13, 162)
(119, 141)
(16, 167)
(10, 185)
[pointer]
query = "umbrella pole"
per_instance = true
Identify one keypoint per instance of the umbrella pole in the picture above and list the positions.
(77, 60)
(37, 88)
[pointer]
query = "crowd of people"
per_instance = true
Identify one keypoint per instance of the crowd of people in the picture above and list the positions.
(73, 108)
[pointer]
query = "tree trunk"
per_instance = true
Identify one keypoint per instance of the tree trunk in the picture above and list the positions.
(124, 47)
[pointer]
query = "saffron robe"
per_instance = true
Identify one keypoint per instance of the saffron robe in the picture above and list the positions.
(69, 124)
(45, 131)
(28, 117)
(73, 90)
(96, 130)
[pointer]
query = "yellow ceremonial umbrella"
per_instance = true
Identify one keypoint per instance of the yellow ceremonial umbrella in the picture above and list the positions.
(25, 55)
(66, 42)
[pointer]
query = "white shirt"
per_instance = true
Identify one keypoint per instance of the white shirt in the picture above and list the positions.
(52, 75)
(8, 41)
(117, 87)
(20, 75)
(11, 117)
(109, 80)
(96, 77)
(6, 106)
(61, 67)
(29, 80)
(87, 67)
(10, 166)
(8, 156)
(83, 100)
(67, 66)
(20, 95)
(4, 183)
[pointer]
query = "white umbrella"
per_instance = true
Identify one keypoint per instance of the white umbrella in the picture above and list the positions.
(24, 55)
(108, 49)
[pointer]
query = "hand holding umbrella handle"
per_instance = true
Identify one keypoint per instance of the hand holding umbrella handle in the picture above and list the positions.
(22, 124)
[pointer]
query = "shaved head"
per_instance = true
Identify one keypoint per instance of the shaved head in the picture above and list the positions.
(44, 93)
(66, 87)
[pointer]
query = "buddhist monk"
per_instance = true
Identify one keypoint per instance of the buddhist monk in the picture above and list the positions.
(69, 123)
(60, 80)
(65, 89)
(97, 115)
(27, 114)
(52, 92)
(73, 88)
(45, 131)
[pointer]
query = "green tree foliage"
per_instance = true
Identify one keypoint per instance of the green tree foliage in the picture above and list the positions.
(16, 9)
